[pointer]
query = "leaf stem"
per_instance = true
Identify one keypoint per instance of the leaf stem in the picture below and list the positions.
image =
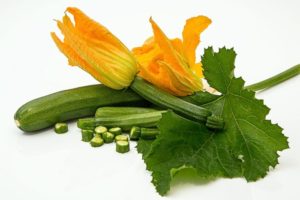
(275, 80)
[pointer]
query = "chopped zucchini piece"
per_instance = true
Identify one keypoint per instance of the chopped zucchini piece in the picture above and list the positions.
(121, 138)
(122, 146)
(97, 141)
(116, 130)
(87, 135)
(135, 133)
(60, 128)
(100, 130)
(108, 137)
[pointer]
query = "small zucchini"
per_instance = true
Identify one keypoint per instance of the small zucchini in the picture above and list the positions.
(71, 104)
(124, 121)
(149, 133)
(114, 111)
(165, 100)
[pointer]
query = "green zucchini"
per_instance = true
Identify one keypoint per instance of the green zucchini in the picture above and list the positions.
(215, 122)
(87, 135)
(97, 141)
(114, 111)
(135, 133)
(124, 121)
(115, 131)
(121, 138)
(71, 104)
(165, 100)
(122, 146)
(149, 133)
(108, 137)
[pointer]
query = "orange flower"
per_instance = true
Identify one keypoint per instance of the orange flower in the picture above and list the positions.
(170, 64)
(95, 49)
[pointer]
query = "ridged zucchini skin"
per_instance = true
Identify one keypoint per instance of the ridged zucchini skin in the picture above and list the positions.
(167, 101)
(70, 104)
(114, 111)
(126, 122)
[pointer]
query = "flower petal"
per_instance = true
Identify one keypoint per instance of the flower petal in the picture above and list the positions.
(161, 78)
(92, 29)
(177, 44)
(163, 64)
(73, 57)
(96, 50)
(170, 54)
(147, 53)
(191, 38)
(183, 85)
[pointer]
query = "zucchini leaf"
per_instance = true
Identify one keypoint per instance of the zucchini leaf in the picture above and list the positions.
(247, 147)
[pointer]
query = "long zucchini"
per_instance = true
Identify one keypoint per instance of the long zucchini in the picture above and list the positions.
(70, 104)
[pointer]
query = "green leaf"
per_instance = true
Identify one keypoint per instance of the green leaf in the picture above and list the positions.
(144, 147)
(251, 136)
(247, 147)
(186, 143)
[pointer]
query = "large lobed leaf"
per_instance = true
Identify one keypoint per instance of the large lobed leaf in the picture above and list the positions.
(247, 146)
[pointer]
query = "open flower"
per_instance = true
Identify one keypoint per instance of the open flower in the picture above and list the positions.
(170, 64)
(95, 49)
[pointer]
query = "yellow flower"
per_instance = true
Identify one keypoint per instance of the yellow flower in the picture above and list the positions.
(95, 49)
(170, 64)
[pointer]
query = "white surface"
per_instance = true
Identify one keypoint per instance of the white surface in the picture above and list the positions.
(46, 166)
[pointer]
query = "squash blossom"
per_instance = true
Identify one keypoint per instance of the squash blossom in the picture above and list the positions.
(170, 64)
(95, 49)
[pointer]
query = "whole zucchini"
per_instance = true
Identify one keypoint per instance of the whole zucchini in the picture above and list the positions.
(167, 101)
(118, 111)
(71, 104)
(126, 122)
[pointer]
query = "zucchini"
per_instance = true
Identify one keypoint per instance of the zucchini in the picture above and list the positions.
(97, 141)
(115, 131)
(108, 137)
(135, 133)
(149, 133)
(165, 100)
(114, 111)
(215, 122)
(99, 130)
(87, 135)
(71, 104)
(122, 146)
(121, 138)
(61, 128)
(200, 98)
(124, 121)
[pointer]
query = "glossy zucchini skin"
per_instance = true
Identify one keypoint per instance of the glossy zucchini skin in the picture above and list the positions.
(167, 101)
(118, 111)
(71, 104)
(126, 122)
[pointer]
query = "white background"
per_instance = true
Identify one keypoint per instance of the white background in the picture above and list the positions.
(265, 34)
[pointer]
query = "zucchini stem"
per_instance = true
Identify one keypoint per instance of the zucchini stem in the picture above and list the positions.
(275, 80)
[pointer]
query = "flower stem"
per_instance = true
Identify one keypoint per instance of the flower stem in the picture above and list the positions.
(275, 80)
